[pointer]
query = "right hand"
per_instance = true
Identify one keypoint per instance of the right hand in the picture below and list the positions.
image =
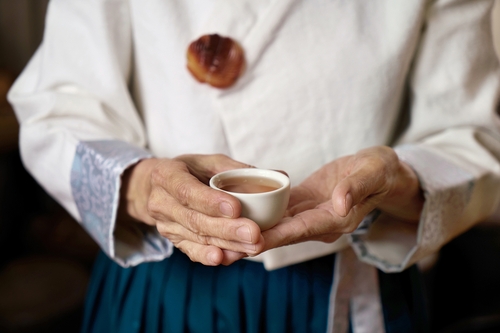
(173, 196)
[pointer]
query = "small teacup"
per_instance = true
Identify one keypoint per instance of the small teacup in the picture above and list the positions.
(263, 194)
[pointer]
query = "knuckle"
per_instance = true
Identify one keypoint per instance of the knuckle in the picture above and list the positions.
(200, 239)
(162, 171)
(153, 205)
(300, 230)
(384, 159)
(362, 186)
(165, 231)
(182, 192)
(192, 220)
(156, 176)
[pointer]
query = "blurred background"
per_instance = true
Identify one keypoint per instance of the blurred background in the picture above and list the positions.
(46, 257)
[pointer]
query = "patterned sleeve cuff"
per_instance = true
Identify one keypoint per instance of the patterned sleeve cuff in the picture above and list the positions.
(95, 185)
(394, 245)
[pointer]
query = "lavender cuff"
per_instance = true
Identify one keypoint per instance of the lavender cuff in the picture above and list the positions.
(95, 184)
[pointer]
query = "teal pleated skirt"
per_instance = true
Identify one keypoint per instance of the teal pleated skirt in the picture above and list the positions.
(177, 295)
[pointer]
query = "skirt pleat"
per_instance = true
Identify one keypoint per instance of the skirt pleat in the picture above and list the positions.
(134, 305)
(301, 300)
(321, 275)
(94, 296)
(200, 315)
(253, 285)
(110, 315)
(277, 318)
(227, 300)
(153, 308)
(177, 295)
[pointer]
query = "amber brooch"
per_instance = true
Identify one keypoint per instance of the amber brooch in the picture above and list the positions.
(215, 60)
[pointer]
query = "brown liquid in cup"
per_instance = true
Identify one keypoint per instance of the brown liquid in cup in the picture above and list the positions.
(248, 185)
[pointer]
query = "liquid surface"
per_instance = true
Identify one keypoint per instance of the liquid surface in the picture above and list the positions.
(249, 185)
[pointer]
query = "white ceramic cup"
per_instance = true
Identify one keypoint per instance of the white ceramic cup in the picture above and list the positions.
(264, 208)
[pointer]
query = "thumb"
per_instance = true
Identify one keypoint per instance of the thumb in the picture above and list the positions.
(356, 188)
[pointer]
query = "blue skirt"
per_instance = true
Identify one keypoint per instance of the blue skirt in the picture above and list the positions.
(177, 295)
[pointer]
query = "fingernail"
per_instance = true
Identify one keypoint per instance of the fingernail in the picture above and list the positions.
(348, 203)
(244, 234)
(249, 247)
(226, 209)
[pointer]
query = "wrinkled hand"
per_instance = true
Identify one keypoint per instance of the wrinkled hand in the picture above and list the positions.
(172, 194)
(336, 198)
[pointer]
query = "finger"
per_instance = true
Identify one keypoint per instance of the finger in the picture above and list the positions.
(321, 223)
(177, 233)
(206, 254)
(296, 229)
(231, 257)
(366, 181)
(179, 220)
(175, 181)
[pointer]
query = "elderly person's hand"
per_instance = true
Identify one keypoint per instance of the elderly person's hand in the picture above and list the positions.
(172, 194)
(336, 198)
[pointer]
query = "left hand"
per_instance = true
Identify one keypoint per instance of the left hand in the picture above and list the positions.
(336, 198)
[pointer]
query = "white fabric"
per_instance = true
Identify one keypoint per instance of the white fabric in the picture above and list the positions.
(355, 291)
(324, 79)
(341, 292)
(366, 306)
(495, 27)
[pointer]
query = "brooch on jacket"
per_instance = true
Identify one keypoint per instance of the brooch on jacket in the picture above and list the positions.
(216, 60)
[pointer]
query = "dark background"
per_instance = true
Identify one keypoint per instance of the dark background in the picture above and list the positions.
(46, 257)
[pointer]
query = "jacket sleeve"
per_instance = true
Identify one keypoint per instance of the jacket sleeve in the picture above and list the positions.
(452, 140)
(79, 126)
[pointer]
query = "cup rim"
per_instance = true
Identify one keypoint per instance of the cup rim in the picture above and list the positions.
(283, 179)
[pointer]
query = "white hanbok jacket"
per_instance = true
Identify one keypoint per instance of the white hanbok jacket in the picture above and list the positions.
(109, 86)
